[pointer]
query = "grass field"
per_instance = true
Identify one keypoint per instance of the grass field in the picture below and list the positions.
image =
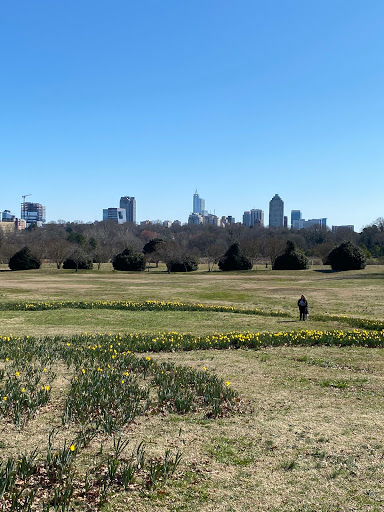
(356, 293)
(303, 433)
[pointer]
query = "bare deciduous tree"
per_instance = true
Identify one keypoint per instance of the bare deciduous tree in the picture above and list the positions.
(252, 249)
(272, 247)
(213, 254)
(58, 250)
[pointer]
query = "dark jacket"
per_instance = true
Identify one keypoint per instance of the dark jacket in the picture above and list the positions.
(304, 306)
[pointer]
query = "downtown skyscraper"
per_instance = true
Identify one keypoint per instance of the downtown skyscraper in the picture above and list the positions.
(276, 212)
(129, 205)
(198, 204)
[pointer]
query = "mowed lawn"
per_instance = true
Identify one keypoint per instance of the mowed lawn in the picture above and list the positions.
(356, 293)
(308, 436)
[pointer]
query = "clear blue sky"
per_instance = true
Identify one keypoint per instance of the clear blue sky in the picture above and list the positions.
(240, 99)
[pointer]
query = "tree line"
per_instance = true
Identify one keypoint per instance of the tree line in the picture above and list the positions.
(100, 242)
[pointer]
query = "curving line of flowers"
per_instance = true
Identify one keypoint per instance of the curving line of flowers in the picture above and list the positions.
(174, 341)
(148, 305)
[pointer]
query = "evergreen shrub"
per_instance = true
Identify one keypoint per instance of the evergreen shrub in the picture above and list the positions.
(81, 264)
(291, 259)
(24, 260)
(234, 259)
(128, 260)
(346, 256)
(187, 265)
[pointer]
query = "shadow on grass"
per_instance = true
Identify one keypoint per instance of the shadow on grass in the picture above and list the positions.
(326, 271)
(345, 274)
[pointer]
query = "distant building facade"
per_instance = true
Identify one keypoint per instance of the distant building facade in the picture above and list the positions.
(335, 229)
(7, 216)
(195, 218)
(253, 217)
(227, 221)
(295, 216)
(115, 215)
(305, 224)
(20, 224)
(257, 217)
(33, 213)
(212, 220)
(15, 224)
(276, 212)
(7, 227)
(247, 218)
(129, 204)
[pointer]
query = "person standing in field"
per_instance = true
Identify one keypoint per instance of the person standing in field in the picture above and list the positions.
(303, 307)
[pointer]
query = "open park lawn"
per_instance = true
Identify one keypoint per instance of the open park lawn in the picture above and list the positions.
(191, 392)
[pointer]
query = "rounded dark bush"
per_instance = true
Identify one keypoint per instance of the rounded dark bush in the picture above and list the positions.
(233, 259)
(24, 260)
(128, 260)
(346, 256)
(188, 265)
(291, 259)
(83, 264)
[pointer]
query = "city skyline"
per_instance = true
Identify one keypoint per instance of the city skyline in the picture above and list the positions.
(98, 98)
(255, 216)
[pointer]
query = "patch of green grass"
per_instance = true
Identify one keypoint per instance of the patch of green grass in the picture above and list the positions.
(193, 487)
(237, 452)
(288, 465)
(338, 384)
(319, 454)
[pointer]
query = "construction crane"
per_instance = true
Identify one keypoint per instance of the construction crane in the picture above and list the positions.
(23, 205)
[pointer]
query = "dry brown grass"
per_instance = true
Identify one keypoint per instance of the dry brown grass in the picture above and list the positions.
(17, 440)
(310, 436)
(304, 446)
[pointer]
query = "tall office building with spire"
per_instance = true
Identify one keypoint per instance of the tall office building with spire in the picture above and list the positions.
(129, 205)
(198, 204)
(276, 212)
